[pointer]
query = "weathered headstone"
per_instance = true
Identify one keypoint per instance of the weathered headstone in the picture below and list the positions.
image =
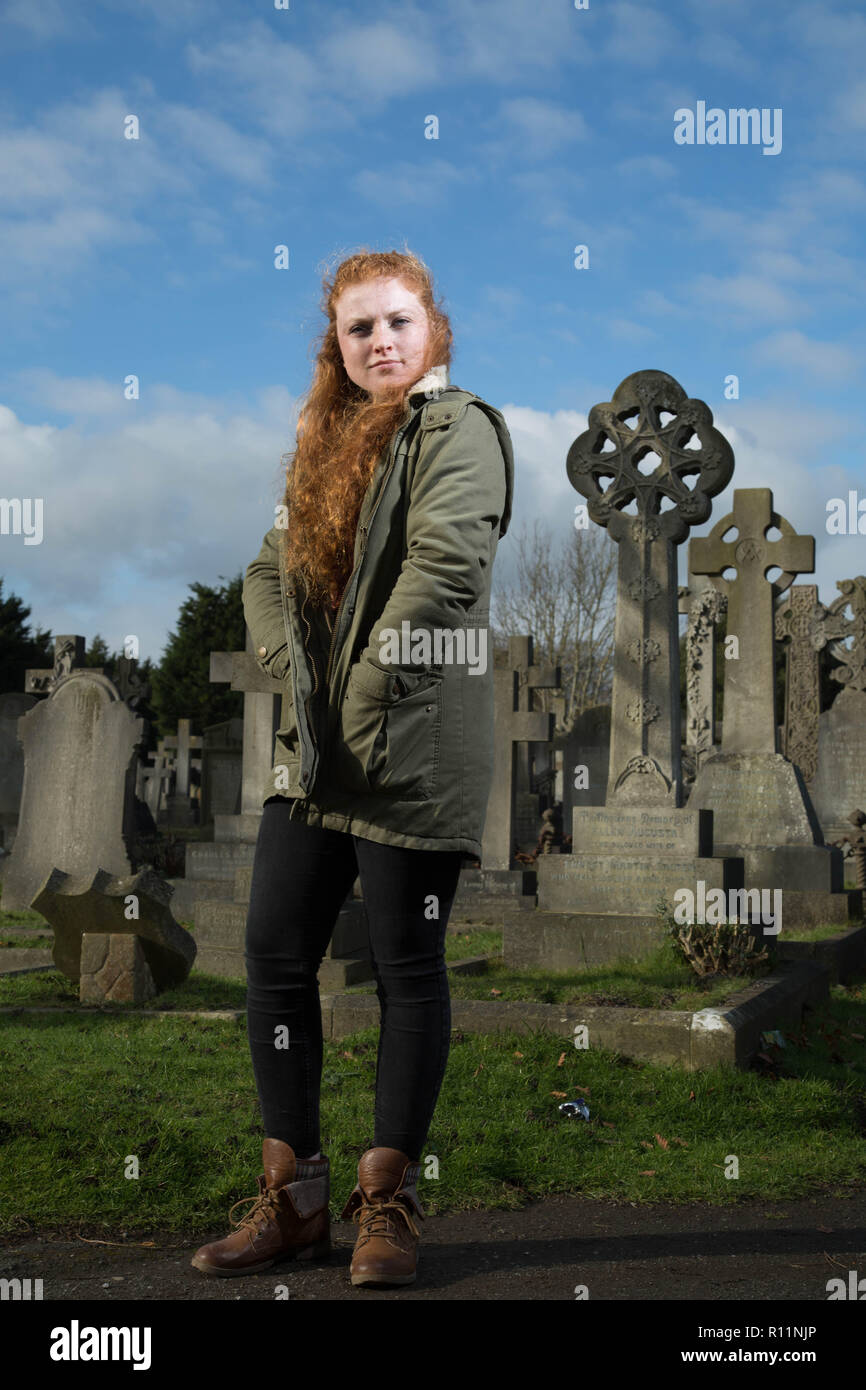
(153, 781)
(78, 808)
(643, 842)
(222, 769)
(514, 722)
(12, 707)
(585, 761)
(795, 627)
(840, 781)
(704, 606)
(68, 657)
(761, 806)
(215, 893)
(179, 809)
(96, 915)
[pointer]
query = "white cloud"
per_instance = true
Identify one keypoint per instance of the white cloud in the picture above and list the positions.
(792, 349)
(139, 502)
(424, 184)
(646, 166)
(745, 297)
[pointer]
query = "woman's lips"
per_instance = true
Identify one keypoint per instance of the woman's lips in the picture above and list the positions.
(391, 362)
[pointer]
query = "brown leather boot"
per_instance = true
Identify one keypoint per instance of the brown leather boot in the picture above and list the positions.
(384, 1203)
(289, 1219)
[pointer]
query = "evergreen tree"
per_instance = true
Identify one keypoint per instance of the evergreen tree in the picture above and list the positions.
(211, 620)
(20, 647)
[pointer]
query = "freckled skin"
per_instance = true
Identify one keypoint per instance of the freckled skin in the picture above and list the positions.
(377, 321)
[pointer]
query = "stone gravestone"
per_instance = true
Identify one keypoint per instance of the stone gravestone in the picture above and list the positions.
(116, 936)
(704, 606)
(795, 626)
(840, 782)
(153, 781)
(12, 707)
(514, 723)
(643, 843)
(761, 806)
(216, 891)
(222, 769)
(78, 810)
(179, 809)
(585, 761)
(492, 891)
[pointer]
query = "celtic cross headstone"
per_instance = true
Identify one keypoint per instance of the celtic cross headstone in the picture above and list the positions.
(749, 711)
(654, 450)
(761, 805)
(648, 464)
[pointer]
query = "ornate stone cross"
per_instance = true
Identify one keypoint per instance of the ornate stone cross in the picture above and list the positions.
(633, 458)
(834, 626)
(749, 715)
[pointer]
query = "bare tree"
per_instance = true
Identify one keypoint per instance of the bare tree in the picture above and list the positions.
(564, 594)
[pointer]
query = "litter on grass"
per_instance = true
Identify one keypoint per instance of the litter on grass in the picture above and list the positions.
(575, 1109)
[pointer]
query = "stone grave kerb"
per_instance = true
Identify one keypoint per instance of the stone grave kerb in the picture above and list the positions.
(643, 460)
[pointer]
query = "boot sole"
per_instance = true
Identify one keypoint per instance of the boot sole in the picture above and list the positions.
(309, 1252)
(359, 1280)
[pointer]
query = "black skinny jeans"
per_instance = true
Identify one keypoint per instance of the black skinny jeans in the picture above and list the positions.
(301, 878)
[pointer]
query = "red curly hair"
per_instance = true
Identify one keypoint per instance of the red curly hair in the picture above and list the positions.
(342, 431)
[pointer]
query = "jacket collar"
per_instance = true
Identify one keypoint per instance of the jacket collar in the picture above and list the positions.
(430, 383)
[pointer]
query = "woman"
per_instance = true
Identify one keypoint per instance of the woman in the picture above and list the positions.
(369, 602)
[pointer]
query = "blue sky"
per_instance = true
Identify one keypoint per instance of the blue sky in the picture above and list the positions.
(306, 127)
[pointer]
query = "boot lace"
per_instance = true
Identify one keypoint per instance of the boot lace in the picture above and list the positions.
(376, 1219)
(265, 1207)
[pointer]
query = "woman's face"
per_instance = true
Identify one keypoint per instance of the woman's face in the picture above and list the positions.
(382, 321)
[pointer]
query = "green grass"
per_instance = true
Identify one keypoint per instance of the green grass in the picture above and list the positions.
(83, 1092)
(661, 981)
(817, 933)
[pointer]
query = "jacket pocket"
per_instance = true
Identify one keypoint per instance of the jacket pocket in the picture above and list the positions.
(391, 727)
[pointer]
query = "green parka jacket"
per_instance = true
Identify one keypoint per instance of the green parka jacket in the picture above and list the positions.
(386, 729)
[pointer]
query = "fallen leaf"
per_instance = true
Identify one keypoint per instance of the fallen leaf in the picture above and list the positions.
(561, 1059)
(645, 1144)
(691, 1095)
(517, 1054)
(662, 1143)
(585, 1089)
(496, 993)
(561, 1095)
(679, 1141)
(647, 1173)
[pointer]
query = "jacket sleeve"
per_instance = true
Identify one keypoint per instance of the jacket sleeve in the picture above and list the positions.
(458, 495)
(263, 609)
